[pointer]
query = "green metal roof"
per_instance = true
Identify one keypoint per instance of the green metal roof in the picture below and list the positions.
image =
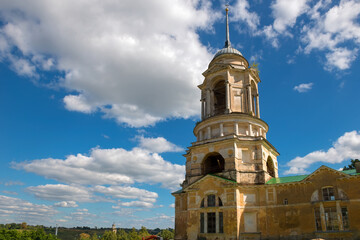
(302, 177)
(351, 172)
(287, 179)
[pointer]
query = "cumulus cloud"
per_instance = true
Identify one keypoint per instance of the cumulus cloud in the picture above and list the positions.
(56, 192)
(331, 28)
(158, 145)
(137, 62)
(127, 193)
(303, 87)
(286, 12)
(344, 148)
(109, 166)
(77, 103)
(241, 12)
(18, 210)
(66, 204)
(140, 204)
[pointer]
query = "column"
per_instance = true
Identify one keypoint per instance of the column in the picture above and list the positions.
(250, 99)
(322, 215)
(339, 216)
(209, 132)
(200, 136)
(250, 130)
(221, 129)
(207, 102)
(257, 106)
(227, 97)
(202, 109)
(236, 128)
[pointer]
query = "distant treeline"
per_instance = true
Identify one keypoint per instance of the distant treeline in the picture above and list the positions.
(21, 231)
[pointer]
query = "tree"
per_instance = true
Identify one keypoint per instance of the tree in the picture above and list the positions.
(167, 234)
(122, 235)
(23, 225)
(109, 235)
(352, 165)
(94, 237)
(84, 236)
(143, 232)
(133, 235)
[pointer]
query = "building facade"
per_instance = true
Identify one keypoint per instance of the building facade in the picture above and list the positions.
(232, 189)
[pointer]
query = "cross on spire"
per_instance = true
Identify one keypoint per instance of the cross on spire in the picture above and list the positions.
(227, 42)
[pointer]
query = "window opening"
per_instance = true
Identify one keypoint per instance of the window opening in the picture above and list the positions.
(221, 223)
(318, 220)
(328, 194)
(211, 200)
(331, 219)
(220, 202)
(270, 194)
(220, 98)
(285, 201)
(202, 203)
(211, 222)
(202, 225)
(345, 218)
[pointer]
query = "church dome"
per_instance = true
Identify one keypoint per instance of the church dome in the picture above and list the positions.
(227, 50)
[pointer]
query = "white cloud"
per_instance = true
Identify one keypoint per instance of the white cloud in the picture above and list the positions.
(303, 87)
(140, 204)
(122, 59)
(345, 147)
(127, 193)
(78, 103)
(172, 205)
(158, 145)
(66, 204)
(18, 210)
(340, 58)
(330, 30)
(56, 192)
(286, 12)
(241, 12)
(109, 166)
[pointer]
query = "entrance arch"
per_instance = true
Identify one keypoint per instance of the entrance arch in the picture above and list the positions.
(270, 167)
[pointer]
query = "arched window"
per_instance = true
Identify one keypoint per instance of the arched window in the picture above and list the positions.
(202, 203)
(254, 102)
(220, 202)
(328, 193)
(219, 98)
(270, 167)
(213, 163)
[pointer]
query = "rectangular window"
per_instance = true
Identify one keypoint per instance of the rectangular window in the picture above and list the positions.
(211, 201)
(318, 220)
(221, 223)
(202, 225)
(328, 194)
(270, 194)
(345, 218)
(211, 222)
(331, 219)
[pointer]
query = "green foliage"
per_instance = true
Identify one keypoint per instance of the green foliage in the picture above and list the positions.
(167, 234)
(109, 235)
(14, 234)
(255, 66)
(352, 165)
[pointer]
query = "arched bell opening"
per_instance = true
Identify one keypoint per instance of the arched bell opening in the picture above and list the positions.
(213, 163)
(270, 167)
(219, 91)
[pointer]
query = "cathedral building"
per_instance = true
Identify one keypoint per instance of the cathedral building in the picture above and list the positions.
(232, 189)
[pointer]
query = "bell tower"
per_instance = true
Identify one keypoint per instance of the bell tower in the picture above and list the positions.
(231, 136)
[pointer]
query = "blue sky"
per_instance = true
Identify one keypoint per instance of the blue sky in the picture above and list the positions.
(98, 98)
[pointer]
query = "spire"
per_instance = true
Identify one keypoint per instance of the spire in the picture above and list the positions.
(227, 42)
